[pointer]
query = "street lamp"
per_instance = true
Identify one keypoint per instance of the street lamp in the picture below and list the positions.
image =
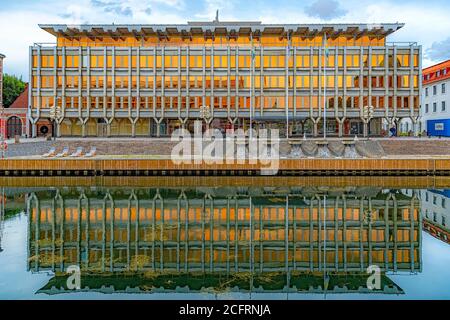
(367, 115)
(205, 113)
(55, 117)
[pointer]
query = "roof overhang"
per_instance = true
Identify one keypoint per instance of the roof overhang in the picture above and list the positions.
(235, 29)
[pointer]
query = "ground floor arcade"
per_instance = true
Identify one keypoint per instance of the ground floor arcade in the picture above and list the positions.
(149, 127)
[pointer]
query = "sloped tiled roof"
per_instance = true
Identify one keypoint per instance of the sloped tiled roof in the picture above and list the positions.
(22, 100)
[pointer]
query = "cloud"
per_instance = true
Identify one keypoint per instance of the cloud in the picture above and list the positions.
(439, 51)
(115, 7)
(325, 9)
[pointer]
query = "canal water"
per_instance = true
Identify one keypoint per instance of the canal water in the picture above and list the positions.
(241, 239)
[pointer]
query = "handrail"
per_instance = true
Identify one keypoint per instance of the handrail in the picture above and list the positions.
(397, 43)
(40, 44)
(267, 45)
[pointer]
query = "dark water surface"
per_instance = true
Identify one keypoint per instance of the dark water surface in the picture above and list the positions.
(250, 239)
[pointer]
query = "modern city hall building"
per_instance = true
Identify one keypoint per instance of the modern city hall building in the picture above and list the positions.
(147, 80)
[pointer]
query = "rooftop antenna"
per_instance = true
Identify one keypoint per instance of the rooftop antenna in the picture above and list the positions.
(217, 16)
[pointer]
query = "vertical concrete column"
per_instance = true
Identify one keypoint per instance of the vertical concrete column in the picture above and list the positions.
(155, 92)
(138, 82)
(420, 80)
(188, 83)
(204, 82)
(236, 100)
(179, 96)
(80, 90)
(336, 90)
(30, 97)
(294, 83)
(286, 82)
(320, 91)
(395, 106)
(39, 97)
(105, 89)
(132, 119)
(361, 90)
(163, 87)
(262, 106)
(386, 83)
(212, 93)
(230, 118)
(311, 93)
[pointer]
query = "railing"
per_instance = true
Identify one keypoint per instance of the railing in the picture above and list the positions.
(246, 45)
(401, 43)
(41, 44)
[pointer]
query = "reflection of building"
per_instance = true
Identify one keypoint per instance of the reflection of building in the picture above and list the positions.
(146, 80)
(227, 232)
(436, 213)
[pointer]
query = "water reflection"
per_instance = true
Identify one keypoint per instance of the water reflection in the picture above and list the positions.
(435, 211)
(228, 239)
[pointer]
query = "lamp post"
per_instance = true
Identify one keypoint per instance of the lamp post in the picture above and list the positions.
(55, 117)
(205, 114)
(367, 115)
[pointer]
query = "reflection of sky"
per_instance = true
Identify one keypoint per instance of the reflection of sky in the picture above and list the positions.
(445, 193)
(17, 283)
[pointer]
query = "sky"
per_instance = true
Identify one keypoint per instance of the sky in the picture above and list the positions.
(427, 22)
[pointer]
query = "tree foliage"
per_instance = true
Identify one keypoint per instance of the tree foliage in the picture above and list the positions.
(12, 88)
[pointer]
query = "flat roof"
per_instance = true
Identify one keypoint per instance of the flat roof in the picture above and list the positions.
(237, 28)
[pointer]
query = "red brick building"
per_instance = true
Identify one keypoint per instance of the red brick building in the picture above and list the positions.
(15, 117)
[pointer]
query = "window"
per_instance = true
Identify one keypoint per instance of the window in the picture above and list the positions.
(426, 108)
(443, 203)
(438, 73)
(426, 92)
(435, 217)
(434, 200)
(434, 107)
(445, 72)
(434, 90)
(426, 197)
(443, 106)
(443, 88)
(443, 221)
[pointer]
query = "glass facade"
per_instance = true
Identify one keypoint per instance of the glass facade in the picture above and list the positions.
(130, 83)
(191, 230)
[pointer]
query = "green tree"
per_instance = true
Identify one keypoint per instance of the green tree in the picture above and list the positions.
(12, 88)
